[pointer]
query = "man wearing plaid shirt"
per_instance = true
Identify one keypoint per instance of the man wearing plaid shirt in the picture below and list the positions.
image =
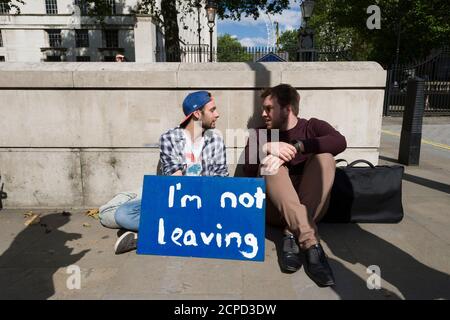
(193, 148)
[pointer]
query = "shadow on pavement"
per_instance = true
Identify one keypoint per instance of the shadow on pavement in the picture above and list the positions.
(351, 243)
(413, 279)
(28, 266)
(439, 186)
(427, 183)
(388, 159)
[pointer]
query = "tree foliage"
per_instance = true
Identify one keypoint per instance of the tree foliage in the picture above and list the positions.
(288, 42)
(421, 26)
(229, 49)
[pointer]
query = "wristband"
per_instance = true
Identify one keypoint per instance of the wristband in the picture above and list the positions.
(297, 145)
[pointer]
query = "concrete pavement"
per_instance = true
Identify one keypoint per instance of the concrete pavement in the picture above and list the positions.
(414, 255)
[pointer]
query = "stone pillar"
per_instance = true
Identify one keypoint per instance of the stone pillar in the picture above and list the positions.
(144, 39)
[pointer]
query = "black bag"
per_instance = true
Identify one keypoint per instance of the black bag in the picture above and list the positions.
(366, 194)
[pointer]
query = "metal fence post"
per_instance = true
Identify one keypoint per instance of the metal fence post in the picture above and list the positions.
(387, 91)
(411, 136)
(3, 195)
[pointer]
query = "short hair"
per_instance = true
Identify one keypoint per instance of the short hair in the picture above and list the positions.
(285, 94)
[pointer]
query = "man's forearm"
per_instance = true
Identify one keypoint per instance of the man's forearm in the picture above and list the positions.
(332, 143)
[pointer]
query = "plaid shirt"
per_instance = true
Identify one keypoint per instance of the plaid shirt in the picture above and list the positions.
(172, 145)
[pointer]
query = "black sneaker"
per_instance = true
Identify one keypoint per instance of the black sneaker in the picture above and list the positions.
(317, 267)
(126, 242)
(291, 261)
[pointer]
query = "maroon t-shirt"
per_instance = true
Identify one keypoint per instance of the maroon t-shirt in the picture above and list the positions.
(318, 136)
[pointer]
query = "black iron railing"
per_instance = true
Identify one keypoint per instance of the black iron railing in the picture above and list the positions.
(436, 73)
(201, 54)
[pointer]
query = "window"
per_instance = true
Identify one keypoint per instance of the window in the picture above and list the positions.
(83, 58)
(51, 6)
(54, 38)
(82, 38)
(82, 4)
(112, 38)
(4, 8)
(2, 58)
(53, 59)
(112, 5)
(1, 39)
(109, 59)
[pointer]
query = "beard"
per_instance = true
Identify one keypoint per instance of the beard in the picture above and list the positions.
(209, 124)
(277, 122)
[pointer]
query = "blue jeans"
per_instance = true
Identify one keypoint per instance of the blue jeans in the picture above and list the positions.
(128, 214)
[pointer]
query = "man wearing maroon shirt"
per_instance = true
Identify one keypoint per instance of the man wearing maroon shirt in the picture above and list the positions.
(299, 171)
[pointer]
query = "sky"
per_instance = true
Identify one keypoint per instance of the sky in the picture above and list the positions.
(250, 32)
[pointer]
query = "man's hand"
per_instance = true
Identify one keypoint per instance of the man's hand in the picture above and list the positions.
(270, 165)
(282, 150)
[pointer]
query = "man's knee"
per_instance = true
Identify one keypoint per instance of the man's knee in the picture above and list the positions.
(326, 160)
(128, 214)
(108, 218)
(270, 175)
(121, 215)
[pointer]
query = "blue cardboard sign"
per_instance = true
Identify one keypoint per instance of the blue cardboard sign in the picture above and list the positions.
(210, 217)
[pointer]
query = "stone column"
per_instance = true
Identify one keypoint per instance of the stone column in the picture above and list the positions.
(145, 39)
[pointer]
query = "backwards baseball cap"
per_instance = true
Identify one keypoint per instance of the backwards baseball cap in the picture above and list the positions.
(194, 101)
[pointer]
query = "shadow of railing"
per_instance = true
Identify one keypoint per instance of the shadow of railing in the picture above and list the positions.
(435, 185)
(354, 245)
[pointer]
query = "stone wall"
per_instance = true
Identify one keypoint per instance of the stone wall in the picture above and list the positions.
(74, 134)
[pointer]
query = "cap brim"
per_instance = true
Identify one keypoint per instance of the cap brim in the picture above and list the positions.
(186, 119)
